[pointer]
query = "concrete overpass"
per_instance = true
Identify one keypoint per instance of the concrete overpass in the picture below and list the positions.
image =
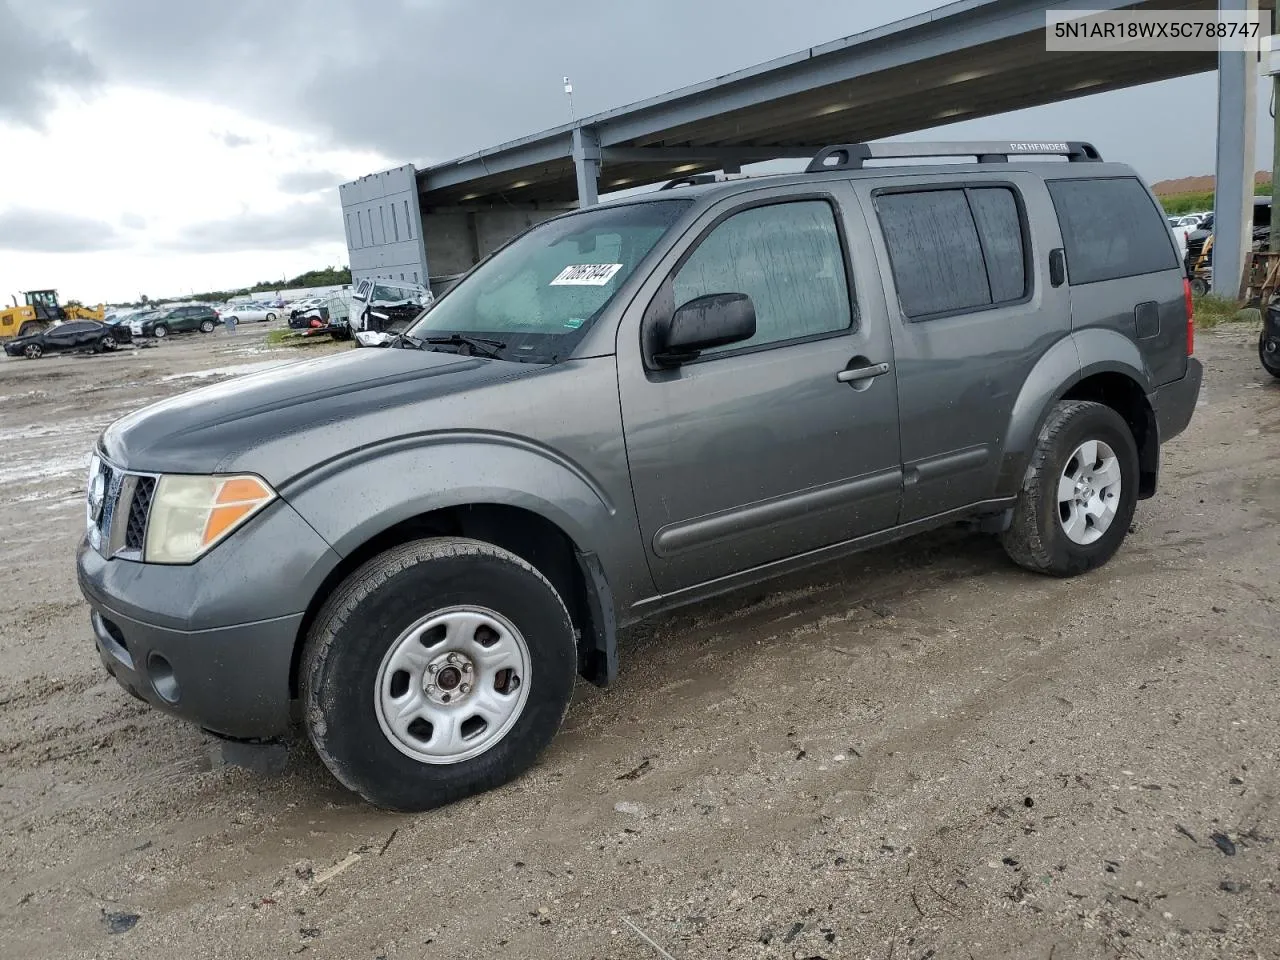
(971, 58)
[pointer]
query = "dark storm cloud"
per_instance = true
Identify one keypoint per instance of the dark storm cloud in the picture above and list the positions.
(425, 80)
(40, 231)
(428, 80)
(309, 181)
(32, 66)
(296, 227)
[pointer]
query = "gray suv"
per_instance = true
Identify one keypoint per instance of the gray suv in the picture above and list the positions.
(414, 551)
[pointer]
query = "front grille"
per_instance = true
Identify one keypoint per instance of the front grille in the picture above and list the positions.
(136, 533)
(120, 527)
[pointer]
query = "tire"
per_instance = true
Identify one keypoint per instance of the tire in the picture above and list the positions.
(33, 351)
(160, 331)
(358, 652)
(226, 321)
(270, 317)
(206, 326)
(1038, 538)
(1270, 361)
(1199, 286)
(107, 343)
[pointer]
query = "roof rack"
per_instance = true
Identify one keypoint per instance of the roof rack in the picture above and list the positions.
(852, 156)
(691, 181)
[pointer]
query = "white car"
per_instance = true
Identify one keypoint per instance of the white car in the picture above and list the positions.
(305, 304)
(247, 312)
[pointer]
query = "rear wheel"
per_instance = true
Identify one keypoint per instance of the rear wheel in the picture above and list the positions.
(33, 351)
(160, 331)
(270, 317)
(206, 326)
(1079, 493)
(437, 670)
(1270, 358)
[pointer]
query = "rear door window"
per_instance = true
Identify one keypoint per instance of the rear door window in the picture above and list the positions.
(954, 250)
(1111, 228)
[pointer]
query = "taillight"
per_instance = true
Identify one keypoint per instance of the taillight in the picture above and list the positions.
(1191, 317)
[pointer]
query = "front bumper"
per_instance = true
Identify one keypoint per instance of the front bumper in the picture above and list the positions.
(1175, 402)
(233, 682)
(212, 642)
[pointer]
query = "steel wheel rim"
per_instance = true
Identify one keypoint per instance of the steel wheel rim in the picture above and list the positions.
(1089, 492)
(418, 696)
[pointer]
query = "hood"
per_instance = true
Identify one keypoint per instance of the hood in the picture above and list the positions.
(371, 394)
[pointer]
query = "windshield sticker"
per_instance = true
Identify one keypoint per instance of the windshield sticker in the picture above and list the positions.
(574, 323)
(586, 275)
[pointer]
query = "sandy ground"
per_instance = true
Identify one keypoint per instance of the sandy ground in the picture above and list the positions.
(920, 752)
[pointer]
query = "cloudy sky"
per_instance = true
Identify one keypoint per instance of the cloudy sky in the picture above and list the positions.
(165, 146)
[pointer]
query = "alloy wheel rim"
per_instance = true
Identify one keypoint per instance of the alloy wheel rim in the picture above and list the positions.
(1089, 492)
(452, 685)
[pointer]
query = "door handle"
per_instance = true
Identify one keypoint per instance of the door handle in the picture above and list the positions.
(858, 374)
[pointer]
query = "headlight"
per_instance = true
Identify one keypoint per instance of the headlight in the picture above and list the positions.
(189, 515)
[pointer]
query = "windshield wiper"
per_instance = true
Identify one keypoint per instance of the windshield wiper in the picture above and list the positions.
(486, 347)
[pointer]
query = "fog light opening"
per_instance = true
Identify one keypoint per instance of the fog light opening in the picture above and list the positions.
(163, 681)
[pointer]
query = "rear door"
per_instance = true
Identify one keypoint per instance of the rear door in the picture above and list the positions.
(760, 451)
(1122, 268)
(971, 312)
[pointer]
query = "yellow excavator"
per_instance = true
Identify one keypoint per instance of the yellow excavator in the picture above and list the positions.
(41, 311)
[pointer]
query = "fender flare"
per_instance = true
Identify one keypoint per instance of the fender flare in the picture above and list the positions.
(1073, 359)
(380, 487)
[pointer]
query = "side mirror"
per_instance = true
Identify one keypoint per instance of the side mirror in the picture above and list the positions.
(711, 321)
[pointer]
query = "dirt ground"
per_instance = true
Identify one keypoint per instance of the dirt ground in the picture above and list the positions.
(919, 752)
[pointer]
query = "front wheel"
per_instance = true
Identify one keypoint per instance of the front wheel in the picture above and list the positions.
(1079, 493)
(1270, 358)
(33, 351)
(107, 343)
(437, 670)
(206, 326)
(160, 332)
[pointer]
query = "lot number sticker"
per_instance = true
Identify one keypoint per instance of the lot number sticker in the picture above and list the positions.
(586, 275)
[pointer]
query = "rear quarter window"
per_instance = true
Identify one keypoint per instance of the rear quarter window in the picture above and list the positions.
(1111, 228)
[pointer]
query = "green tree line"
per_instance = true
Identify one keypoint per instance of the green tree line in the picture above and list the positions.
(326, 277)
(1180, 203)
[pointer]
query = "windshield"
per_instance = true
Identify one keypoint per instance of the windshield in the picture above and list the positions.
(540, 294)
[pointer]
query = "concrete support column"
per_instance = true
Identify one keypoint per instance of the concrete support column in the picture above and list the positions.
(586, 164)
(1233, 184)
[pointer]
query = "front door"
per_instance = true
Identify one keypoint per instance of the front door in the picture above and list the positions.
(762, 450)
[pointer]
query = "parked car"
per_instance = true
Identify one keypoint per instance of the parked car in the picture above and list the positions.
(72, 335)
(247, 312)
(383, 309)
(179, 320)
(631, 407)
(1269, 341)
(302, 306)
(1261, 233)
